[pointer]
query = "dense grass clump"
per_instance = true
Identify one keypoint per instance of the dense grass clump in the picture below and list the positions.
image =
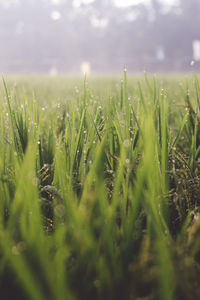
(100, 188)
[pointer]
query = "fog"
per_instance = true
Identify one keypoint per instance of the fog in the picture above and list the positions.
(99, 36)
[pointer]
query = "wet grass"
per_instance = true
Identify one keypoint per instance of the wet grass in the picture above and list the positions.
(99, 187)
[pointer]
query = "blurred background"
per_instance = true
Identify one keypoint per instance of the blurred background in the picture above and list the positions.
(99, 36)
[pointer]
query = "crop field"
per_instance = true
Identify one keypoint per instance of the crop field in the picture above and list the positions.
(100, 187)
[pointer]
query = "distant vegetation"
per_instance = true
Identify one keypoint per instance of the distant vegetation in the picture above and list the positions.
(99, 188)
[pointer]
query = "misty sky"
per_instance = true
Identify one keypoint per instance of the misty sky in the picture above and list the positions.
(63, 35)
(131, 2)
(121, 3)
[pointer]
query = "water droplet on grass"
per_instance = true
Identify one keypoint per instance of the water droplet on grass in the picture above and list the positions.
(60, 210)
(127, 143)
(15, 250)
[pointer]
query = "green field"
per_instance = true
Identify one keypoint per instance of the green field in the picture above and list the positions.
(100, 187)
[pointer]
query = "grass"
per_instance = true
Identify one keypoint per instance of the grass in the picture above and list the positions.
(99, 188)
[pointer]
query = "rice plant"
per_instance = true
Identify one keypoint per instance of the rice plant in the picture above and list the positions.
(99, 188)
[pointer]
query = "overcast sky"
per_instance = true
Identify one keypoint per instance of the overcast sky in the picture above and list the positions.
(121, 3)
(52, 36)
(130, 2)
